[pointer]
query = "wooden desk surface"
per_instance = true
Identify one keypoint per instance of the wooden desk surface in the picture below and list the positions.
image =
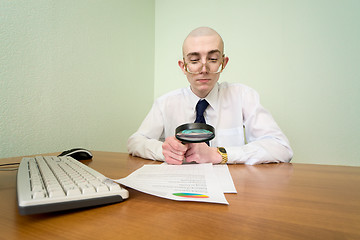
(274, 201)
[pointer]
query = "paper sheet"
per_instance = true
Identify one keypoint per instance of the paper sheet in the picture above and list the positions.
(223, 174)
(226, 182)
(192, 182)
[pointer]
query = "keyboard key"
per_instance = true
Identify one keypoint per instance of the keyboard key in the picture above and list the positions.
(112, 186)
(56, 193)
(86, 189)
(73, 191)
(38, 195)
(102, 188)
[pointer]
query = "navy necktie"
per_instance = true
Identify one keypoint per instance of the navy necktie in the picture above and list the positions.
(200, 109)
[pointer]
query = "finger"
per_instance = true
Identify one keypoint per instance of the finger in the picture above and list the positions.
(171, 160)
(171, 157)
(178, 146)
(178, 157)
(191, 156)
(168, 149)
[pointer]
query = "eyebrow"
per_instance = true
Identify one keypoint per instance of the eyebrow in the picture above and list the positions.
(197, 53)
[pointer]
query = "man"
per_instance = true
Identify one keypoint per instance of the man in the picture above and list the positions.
(229, 108)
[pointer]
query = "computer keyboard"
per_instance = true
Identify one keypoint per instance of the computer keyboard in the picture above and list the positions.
(49, 183)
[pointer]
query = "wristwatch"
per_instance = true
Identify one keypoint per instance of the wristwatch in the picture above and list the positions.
(223, 154)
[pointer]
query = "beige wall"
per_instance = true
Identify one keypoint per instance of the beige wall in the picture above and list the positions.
(72, 73)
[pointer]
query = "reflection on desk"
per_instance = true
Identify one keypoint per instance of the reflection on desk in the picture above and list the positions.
(274, 201)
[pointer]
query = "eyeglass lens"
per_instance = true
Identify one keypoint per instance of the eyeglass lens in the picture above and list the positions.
(211, 66)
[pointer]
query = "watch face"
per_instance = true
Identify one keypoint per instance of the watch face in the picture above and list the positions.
(221, 149)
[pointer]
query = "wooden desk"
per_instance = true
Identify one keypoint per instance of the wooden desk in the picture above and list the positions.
(274, 201)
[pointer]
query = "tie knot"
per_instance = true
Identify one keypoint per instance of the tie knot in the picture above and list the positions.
(200, 109)
(201, 106)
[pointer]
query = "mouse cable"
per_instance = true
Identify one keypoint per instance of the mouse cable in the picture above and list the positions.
(6, 167)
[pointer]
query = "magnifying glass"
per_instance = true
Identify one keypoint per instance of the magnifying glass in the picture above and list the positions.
(194, 132)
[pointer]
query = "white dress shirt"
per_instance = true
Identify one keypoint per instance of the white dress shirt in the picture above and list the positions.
(232, 108)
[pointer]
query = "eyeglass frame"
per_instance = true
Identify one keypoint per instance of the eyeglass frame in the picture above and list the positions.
(202, 65)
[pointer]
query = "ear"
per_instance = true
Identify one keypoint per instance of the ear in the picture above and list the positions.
(182, 66)
(226, 60)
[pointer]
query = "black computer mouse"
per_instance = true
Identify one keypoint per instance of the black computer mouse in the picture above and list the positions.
(77, 153)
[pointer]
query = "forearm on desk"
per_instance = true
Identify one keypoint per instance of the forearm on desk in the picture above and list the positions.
(257, 152)
(144, 147)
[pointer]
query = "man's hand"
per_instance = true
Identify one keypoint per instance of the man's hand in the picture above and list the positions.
(202, 153)
(174, 151)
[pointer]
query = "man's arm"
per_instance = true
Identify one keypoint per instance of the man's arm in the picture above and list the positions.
(266, 142)
(145, 142)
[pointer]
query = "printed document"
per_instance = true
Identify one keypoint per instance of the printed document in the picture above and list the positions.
(190, 182)
(225, 179)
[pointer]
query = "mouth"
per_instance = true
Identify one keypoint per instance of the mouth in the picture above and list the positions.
(203, 80)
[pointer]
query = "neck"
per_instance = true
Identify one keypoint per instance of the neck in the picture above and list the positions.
(200, 94)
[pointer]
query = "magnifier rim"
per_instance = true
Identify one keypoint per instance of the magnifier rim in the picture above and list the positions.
(192, 126)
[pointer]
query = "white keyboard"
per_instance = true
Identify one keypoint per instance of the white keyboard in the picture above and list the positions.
(49, 183)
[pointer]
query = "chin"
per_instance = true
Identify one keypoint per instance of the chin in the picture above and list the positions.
(203, 91)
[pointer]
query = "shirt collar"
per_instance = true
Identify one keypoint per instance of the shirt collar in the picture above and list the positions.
(211, 98)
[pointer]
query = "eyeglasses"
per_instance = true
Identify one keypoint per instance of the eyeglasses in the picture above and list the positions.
(212, 65)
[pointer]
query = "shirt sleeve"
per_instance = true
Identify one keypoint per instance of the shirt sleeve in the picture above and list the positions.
(266, 142)
(145, 142)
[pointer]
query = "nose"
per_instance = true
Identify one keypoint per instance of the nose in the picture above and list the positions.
(203, 68)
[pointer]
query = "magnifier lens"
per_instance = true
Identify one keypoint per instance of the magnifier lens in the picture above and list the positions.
(195, 132)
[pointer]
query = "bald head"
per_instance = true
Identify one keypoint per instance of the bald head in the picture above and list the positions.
(203, 32)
